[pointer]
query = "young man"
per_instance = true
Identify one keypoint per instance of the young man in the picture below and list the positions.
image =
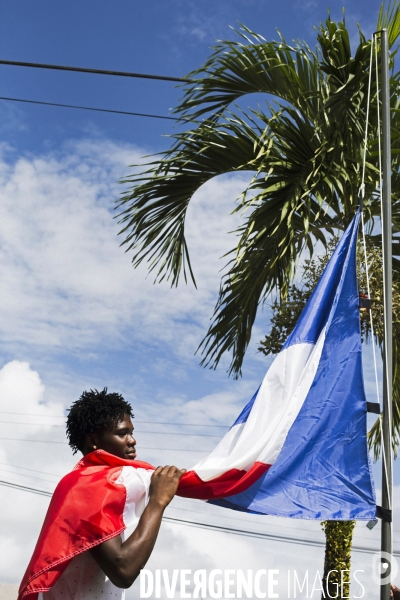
(81, 553)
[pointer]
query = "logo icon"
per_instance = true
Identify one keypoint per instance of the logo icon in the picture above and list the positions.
(384, 568)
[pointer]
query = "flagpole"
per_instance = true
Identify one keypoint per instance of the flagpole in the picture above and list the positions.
(387, 474)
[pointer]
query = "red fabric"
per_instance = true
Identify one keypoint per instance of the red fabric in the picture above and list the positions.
(87, 507)
(230, 483)
(85, 510)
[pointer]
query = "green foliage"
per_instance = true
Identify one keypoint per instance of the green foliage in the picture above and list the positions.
(304, 147)
(285, 315)
(338, 536)
(286, 312)
(376, 284)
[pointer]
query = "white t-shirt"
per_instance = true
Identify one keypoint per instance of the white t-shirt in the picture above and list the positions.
(83, 579)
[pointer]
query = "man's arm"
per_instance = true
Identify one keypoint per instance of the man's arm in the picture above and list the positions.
(122, 561)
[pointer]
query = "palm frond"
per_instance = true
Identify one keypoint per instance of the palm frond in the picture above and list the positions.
(235, 69)
(153, 213)
(389, 18)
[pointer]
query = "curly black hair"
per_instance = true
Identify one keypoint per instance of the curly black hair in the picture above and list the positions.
(93, 412)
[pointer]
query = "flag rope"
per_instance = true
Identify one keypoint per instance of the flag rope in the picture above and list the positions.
(383, 262)
(362, 186)
(361, 195)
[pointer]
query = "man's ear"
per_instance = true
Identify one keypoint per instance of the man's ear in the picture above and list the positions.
(90, 441)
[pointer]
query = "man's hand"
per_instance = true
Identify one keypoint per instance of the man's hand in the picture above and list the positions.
(164, 483)
(122, 561)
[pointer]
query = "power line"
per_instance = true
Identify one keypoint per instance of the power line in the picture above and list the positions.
(269, 536)
(185, 424)
(4, 412)
(222, 516)
(247, 533)
(180, 509)
(28, 469)
(136, 431)
(171, 507)
(30, 423)
(103, 110)
(17, 63)
(25, 488)
(65, 443)
(19, 413)
(26, 440)
(220, 528)
(35, 477)
(37, 423)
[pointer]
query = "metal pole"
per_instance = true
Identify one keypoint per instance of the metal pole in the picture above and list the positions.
(387, 479)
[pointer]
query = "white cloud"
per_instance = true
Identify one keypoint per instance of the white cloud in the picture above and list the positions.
(21, 396)
(66, 284)
(25, 462)
(21, 520)
(25, 415)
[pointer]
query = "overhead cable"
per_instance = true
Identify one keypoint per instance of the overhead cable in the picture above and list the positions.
(7, 412)
(65, 443)
(25, 488)
(17, 63)
(269, 536)
(4, 412)
(171, 507)
(237, 519)
(219, 528)
(136, 431)
(35, 477)
(29, 469)
(103, 110)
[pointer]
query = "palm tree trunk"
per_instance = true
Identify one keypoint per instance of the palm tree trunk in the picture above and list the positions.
(338, 536)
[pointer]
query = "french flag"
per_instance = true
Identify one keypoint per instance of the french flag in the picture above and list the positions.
(299, 448)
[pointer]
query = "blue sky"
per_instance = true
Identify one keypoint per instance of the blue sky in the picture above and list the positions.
(75, 315)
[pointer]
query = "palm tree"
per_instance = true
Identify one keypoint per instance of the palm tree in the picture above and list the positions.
(304, 148)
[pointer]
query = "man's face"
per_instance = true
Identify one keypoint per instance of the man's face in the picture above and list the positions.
(118, 439)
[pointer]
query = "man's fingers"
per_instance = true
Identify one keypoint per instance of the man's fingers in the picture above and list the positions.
(160, 470)
(178, 472)
(170, 471)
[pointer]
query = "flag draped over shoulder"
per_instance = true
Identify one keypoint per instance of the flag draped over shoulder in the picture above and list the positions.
(298, 449)
(98, 500)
